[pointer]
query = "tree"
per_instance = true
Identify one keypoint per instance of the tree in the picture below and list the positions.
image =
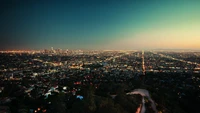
(78, 106)
(57, 103)
(89, 101)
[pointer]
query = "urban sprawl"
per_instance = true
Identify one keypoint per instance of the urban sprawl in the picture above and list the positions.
(80, 81)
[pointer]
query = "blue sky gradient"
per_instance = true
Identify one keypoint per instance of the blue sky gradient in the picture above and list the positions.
(99, 24)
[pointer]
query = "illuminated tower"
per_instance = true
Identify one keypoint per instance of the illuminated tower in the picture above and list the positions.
(52, 50)
(143, 67)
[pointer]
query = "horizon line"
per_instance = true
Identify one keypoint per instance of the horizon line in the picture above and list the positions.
(182, 49)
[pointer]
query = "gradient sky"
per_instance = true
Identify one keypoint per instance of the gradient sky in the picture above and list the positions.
(99, 24)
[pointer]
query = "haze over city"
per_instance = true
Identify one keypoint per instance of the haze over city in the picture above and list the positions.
(99, 24)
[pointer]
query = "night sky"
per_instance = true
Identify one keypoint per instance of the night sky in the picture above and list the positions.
(99, 24)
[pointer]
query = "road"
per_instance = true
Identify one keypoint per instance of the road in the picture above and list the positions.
(172, 58)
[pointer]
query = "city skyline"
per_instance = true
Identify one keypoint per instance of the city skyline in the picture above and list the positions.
(99, 25)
